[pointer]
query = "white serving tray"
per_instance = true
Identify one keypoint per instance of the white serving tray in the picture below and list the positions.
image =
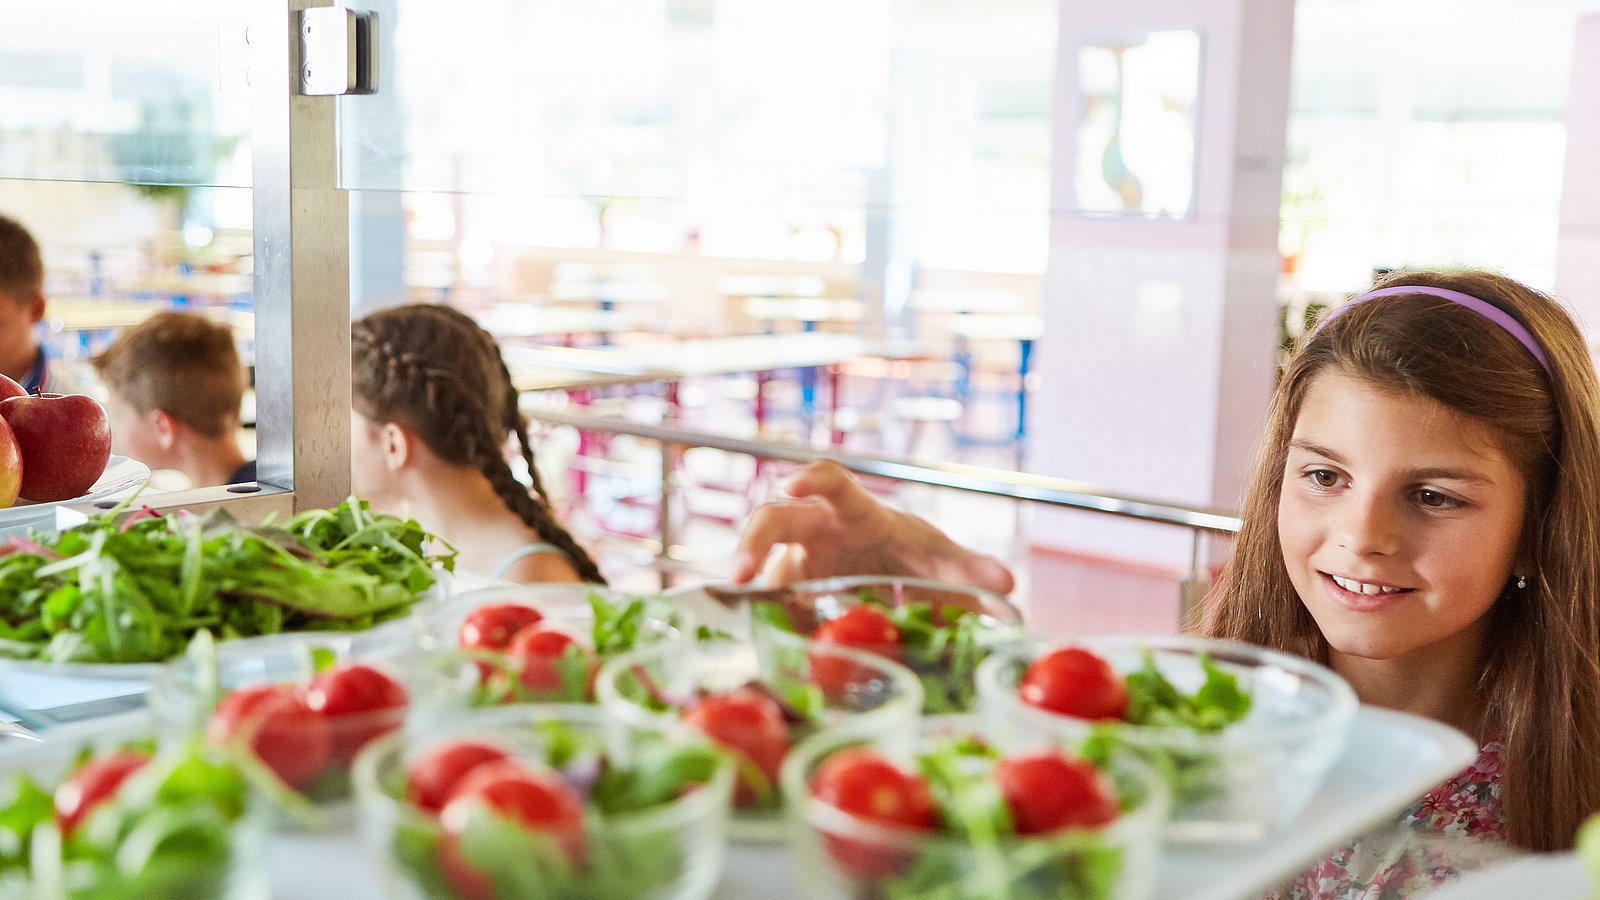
(1390, 760)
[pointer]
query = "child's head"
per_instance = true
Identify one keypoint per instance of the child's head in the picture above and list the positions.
(1419, 464)
(432, 371)
(21, 290)
(175, 381)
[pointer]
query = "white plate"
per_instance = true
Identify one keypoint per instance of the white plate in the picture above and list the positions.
(122, 475)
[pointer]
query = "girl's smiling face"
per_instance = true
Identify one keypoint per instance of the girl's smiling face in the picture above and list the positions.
(1399, 518)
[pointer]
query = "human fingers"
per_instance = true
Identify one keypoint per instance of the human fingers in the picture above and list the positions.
(831, 483)
(779, 522)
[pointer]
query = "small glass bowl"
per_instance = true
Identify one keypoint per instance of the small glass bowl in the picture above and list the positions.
(566, 606)
(670, 852)
(1117, 862)
(243, 876)
(650, 688)
(1240, 784)
(946, 671)
(185, 693)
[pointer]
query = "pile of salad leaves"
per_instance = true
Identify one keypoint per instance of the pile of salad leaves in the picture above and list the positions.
(170, 831)
(617, 628)
(622, 862)
(1156, 702)
(942, 645)
(1588, 848)
(990, 860)
(131, 591)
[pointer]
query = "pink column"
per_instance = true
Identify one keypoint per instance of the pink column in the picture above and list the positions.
(1578, 240)
(1158, 357)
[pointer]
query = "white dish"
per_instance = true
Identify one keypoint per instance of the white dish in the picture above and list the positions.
(121, 476)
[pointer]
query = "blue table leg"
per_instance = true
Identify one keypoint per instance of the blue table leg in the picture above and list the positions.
(1024, 364)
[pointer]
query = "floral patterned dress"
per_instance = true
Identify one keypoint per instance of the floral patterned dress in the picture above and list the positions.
(1456, 827)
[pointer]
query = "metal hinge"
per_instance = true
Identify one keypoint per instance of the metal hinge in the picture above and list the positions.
(338, 51)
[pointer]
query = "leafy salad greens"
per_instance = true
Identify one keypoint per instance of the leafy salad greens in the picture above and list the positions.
(171, 830)
(132, 591)
(622, 859)
(988, 859)
(942, 645)
(1154, 701)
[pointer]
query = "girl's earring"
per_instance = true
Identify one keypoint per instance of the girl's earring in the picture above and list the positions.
(1522, 582)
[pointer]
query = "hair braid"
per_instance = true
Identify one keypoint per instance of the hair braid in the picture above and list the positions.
(461, 411)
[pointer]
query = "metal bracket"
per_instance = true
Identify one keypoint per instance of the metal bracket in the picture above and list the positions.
(338, 51)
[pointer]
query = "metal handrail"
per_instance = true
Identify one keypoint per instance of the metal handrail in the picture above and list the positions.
(978, 479)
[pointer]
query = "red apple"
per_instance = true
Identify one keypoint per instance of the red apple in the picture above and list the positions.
(10, 465)
(9, 388)
(65, 442)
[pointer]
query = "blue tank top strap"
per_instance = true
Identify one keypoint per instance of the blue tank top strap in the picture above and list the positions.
(519, 554)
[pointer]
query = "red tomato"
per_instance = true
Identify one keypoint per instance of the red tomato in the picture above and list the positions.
(1048, 791)
(863, 627)
(434, 775)
(362, 702)
(540, 801)
(1074, 682)
(282, 731)
(748, 723)
(492, 627)
(536, 650)
(860, 782)
(94, 784)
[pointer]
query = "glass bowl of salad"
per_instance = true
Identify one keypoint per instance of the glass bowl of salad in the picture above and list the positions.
(939, 631)
(544, 643)
(1243, 735)
(542, 800)
(297, 709)
(757, 707)
(957, 815)
(121, 817)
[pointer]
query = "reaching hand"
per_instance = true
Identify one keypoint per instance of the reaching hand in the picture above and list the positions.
(832, 526)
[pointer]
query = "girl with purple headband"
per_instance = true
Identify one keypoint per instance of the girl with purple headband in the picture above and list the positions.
(1424, 518)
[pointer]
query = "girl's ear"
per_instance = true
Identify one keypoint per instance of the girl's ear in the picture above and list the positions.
(164, 427)
(398, 447)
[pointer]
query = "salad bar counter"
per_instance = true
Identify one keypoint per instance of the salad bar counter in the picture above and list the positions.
(318, 710)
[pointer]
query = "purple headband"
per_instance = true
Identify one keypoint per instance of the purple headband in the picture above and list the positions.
(1482, 307)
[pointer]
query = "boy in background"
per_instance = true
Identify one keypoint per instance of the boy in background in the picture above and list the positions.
(175, 384)
(21, 308)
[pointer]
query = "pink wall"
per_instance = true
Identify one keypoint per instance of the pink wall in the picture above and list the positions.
(1159, 362)
(1578, 241)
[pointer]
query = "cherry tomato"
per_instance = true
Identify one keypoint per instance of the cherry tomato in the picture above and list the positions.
(537, 650)
(94, 784)
(290, 739)
(1074, 682)
(748, 723)
(433, 777)
(538, 800)
(362, 702)
(492, 627)
(863, 627)
(862, 783)
(1048, 791)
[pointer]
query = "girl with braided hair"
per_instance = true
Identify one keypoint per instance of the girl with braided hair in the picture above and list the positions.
(433, 405)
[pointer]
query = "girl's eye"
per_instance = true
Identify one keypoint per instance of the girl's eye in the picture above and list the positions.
(1436, 500)
(1323, 478)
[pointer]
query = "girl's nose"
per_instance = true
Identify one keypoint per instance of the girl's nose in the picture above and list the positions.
(1368, 526)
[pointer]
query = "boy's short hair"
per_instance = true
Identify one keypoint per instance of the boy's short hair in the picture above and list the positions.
(182, 364)
(21, 264)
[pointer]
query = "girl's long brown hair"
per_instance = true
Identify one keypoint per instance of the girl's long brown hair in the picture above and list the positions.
(1541, 666)
(433, 370)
